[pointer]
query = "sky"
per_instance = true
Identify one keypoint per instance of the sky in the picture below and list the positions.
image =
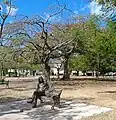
(30, 7)
(46, 7)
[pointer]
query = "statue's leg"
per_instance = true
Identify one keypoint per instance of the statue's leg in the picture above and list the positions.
(41, 101)
(58, 101)
(37, 94)
(34, 101)
(54, 102)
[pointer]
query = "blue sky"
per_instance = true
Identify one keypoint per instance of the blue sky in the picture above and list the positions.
(42, 7)
(30, 7)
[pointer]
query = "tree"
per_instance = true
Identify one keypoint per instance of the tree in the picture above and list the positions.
(4, 14)
(100, 44)
(6, 60)
(77, 31)
(79, 63)
(91, 29)
(6, 8)
(110, 2)
(108, 8)
(38, 41)
(78, 45)
(67, 50)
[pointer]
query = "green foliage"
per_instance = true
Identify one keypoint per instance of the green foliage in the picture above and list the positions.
(109, 2)
(79, 62)
(111, 26)
(7, 61)
(91, 47)
(108, 9)
(100, 44)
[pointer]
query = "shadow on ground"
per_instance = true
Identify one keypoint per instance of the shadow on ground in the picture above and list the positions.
(108, 92)
(69, 110)
(5, 100)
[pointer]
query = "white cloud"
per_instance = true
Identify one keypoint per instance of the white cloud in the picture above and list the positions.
(12, 11)
(95, 8)
(102, 11)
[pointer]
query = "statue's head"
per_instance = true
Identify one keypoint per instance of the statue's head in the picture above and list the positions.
(40, 80)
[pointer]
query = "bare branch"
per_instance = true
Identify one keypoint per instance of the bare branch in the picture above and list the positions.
(54, 14)
(4, 17)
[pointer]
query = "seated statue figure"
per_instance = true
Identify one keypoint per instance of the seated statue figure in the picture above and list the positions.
(42, 86)
(44, 90)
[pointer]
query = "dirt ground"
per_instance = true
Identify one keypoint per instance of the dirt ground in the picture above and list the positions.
(100, 93)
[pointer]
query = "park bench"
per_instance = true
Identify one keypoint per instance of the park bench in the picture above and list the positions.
(2, 82)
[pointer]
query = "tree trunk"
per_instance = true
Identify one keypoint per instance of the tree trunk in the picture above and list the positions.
(46, 72)
(84, 73)
(77, 73)
(66, 75)
(34, 71)
(97, 74)
(2, 70)
(15, 72)
(58, 70)
(9, 74)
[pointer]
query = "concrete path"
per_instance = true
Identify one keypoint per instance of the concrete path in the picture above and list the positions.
(70, 110)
